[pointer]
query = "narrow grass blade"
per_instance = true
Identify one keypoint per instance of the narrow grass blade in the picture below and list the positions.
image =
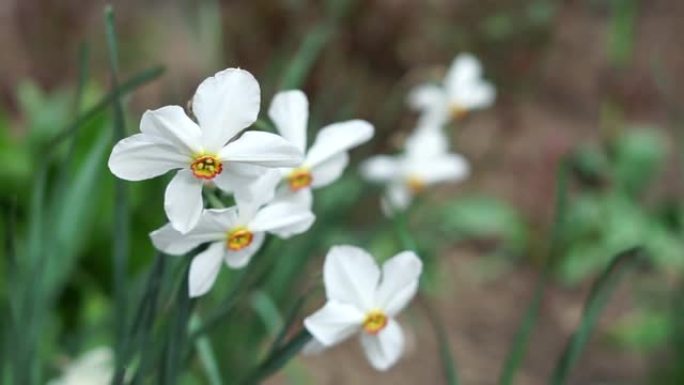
(121, 210)
(597, 300)
(206, 354)
(177, 334)
(445, 354)
(126, 87)
(306, 56)
(527, 325)
(278, 358)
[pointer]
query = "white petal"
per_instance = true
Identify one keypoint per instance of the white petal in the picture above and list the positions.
(171, 241)
(172, 125)
(400, 275)
(141, 156)
(212, 227)
(351, 276)
(380, 168)
(290, 112)
(256, 192)
(282, 219)
(397, 197)
(427, 142)
(302, 197)
(262, 149)
(451, 167)
(426, 96)
(464, 69)
(329, 171)
(384, 349)
(336, 138)
(204, 269)
(236, 177)
(334, 322)
(225, 104)
(183, 201)
(476, 95)
(240, 259)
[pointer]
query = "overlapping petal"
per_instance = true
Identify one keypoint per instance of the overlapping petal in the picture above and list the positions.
(384, 349)
(225, 104)
(337, 138)
(283, 219)
(329, 171)
(399, 283)
(262, 149)
(142, 156)
(290, 112)
(351, 276)
(170, 124)
(204, 269)
(381, 168)
(334, 322)
(183, 201)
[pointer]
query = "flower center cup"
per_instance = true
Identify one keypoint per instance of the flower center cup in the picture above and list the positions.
(374, 322)
(299, 178)
(415, 184)
(206, 166)
(457, 112)
(239, 238)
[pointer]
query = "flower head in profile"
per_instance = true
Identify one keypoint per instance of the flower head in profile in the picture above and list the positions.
(95, 367)
(364, 298)
(234, 234)
(424, 162)
(463, 90)
(327, 157)
(208, 150)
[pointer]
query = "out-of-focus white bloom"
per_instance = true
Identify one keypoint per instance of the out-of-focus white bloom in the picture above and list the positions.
(463, 90)
(362, 298)
(93, 368)
(327, 157)
(234, 234)
(206, 151)
(425, 162)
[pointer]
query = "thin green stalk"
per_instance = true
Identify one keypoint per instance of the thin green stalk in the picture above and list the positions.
(529, 321)
(400, 222)
(278, 358)
(137, 80)
(121, 209)
(596, 301)
(206, 353)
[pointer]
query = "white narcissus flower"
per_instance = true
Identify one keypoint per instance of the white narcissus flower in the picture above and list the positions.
(95, 367)
(327, 157)
(463, 90)
(206, 151)
(234, 234)
(425, 162)
(363, 298)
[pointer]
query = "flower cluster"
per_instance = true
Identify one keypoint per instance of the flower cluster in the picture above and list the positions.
(268, 175)
(426, 159)
(271, 177)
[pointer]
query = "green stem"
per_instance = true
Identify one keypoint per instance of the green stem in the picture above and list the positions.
(121, 212)
(524, 332)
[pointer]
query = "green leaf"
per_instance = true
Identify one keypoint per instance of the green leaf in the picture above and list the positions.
(598, 298)
(278, 358)
(639, 155)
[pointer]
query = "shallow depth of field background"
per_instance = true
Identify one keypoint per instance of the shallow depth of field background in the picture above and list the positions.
(598, 81)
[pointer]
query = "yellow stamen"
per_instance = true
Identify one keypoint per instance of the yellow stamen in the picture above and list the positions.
(374, 322)
(415, 184)
(300, 178)
(239, 238)
(457, 112)
(206, 166)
